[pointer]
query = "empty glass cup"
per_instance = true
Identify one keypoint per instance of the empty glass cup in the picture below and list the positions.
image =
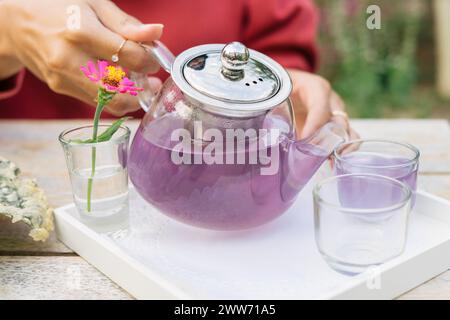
(360, 220)
(106, 211)
(384, 157)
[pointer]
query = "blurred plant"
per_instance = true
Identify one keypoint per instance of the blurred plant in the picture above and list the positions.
(370, 68)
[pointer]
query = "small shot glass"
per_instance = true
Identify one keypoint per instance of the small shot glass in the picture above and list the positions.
(365, 229)
(108, 207)
(384, 157)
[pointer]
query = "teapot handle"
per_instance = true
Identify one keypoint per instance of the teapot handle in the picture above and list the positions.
(161, 54)
(165, 59)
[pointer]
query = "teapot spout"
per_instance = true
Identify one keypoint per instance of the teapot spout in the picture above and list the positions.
(326, 138)
(305, 157)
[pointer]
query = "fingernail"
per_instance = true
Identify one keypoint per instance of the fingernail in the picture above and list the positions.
(152, 25)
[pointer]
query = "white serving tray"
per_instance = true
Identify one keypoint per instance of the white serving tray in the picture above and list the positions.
(164, 259)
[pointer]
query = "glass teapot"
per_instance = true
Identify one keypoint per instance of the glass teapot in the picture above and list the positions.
(217, 148)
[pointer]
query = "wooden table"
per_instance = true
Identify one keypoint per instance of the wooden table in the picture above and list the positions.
(50, 270)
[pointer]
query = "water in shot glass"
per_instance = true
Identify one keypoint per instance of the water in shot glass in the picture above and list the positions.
(388, 158)
(109, 196)
(360, 220)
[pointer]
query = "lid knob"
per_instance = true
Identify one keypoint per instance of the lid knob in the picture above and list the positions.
(234, 57)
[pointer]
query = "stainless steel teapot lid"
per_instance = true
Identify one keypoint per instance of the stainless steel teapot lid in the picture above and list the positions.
(231, 80)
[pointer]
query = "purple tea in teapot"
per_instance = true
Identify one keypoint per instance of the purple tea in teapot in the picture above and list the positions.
(221, 196)
(217, 146)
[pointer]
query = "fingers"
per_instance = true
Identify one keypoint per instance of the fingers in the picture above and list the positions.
(132, 56)
(354, 135)
(124, 103)
(125, 25)
(314, 101)
(72, 82)
(311, 97)
(155, 84)
(349, 148)
(102, 43)
(105, 27)
(336, 103)
(120, 105)
(316, 97)
(315, 119)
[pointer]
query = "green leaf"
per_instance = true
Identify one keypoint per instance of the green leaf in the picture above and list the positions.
(81, 141)
(107, 134)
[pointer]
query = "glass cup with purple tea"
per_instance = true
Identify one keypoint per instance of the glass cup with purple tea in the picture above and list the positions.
(108, 196)
(360, 220)
(384, 157)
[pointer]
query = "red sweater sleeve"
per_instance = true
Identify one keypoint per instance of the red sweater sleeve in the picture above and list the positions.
(11, 86)
(285, 30)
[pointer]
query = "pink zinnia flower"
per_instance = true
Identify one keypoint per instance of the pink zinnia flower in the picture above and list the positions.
(112, 78)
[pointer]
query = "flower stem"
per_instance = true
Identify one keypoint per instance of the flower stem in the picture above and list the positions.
(103, 98)
(90, 180)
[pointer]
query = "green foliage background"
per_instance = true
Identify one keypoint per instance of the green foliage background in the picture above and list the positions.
(375, 71)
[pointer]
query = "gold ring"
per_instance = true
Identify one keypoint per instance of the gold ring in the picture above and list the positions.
(339, 113)
(115, 56)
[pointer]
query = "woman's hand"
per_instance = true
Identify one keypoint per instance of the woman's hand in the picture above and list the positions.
(37, 35)
(314, 104)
